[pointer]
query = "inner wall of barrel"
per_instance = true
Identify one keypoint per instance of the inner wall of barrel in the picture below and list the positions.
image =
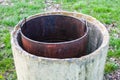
(53, 28)
(95, 38)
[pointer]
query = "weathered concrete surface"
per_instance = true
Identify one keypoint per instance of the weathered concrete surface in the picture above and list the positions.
(89, 67)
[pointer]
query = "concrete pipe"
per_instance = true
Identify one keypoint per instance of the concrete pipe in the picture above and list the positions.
(86, 67)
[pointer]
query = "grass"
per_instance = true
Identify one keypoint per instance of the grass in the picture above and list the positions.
(110, 66)
(107, 11)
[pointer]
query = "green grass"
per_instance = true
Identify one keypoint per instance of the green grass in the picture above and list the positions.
(115, 44)
(6, 59)
(107, 11)
(110, 66)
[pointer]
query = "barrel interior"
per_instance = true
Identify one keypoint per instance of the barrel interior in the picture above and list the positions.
(53, 28)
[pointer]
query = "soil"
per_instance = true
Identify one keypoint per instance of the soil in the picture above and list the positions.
(113, 76)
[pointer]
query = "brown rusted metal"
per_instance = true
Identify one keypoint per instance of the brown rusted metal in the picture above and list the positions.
(55, 36)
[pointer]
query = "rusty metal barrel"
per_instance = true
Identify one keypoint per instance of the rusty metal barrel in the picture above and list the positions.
(85, 67)
(54, 36)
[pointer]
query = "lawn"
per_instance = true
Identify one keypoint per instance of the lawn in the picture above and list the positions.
(12, 11)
